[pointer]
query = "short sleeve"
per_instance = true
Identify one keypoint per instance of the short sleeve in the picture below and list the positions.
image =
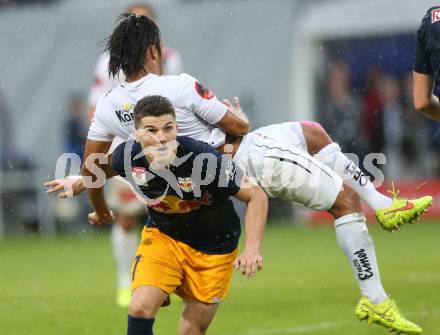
(203, 101)
(422, 59)
(99, 128)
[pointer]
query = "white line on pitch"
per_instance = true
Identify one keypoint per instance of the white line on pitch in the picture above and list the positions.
(296, 330)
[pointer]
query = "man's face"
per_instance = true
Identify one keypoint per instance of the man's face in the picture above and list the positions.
(157, 136)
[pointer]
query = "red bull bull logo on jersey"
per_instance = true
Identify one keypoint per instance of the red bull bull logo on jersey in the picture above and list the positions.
(172, 204)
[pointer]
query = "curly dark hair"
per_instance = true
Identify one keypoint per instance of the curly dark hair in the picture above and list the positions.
(128, 44)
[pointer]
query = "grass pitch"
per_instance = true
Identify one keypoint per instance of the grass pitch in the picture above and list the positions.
(66, 285)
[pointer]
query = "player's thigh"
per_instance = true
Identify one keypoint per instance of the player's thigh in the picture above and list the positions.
(146, 301)
(196, 317)
(155, 263)
(207, 277)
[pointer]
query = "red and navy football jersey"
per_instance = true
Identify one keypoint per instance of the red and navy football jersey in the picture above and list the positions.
(189, 200)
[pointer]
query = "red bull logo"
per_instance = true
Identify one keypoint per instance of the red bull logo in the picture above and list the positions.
(173, 204)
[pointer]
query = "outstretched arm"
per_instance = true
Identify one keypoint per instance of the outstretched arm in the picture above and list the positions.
(71, 186)
(96, 168)
(66, 187)
(250, 259)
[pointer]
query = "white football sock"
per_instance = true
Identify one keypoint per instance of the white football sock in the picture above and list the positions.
(124, 245)
(353, 176)
(357, 244)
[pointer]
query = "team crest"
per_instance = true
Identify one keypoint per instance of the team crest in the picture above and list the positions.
(435, 15)
(128, 106)
(185, 184)
(139, 175)
(204, 93)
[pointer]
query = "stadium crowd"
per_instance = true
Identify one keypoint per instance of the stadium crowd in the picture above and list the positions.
(379, 117)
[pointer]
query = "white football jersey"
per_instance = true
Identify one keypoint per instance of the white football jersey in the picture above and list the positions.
(197, 109)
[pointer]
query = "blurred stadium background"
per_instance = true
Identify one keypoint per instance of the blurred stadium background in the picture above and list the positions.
(346, 64)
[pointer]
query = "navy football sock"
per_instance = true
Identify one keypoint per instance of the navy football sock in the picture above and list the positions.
(139, 326)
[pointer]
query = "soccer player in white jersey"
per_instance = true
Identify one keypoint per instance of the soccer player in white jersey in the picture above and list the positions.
(127, 207)
(135, 48)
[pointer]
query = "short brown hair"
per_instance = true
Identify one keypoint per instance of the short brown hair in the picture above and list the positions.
(153, 105)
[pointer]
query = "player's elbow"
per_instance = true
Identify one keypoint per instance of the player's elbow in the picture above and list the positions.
(85, 171)
(239, 128)
(244, 128)
(234, 125)
(260, 197)
(421, 104)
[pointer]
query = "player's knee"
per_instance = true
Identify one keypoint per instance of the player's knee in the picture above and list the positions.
(347, 202)
(314, 129)
(141, 308)
(188, 327)
(312, 125)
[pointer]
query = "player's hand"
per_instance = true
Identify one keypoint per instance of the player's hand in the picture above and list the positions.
(233, 107)
(95, 219)
(249, 262)
(67, 187)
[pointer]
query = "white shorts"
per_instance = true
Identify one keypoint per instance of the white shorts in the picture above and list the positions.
(286, 171)
(289, 134)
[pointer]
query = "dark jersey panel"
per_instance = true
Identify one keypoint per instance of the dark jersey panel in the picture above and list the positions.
(427, 53)
(189, 201)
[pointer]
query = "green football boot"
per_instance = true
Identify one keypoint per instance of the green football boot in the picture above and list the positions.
(386, 314)
(402, 211)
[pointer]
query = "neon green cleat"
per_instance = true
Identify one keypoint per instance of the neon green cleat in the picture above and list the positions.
(386, 314)
(402, 211)
(123, 297)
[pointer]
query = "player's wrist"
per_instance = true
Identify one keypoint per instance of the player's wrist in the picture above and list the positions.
(104, 214)
(252, 248)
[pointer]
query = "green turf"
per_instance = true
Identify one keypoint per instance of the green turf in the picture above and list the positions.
(66, 285)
